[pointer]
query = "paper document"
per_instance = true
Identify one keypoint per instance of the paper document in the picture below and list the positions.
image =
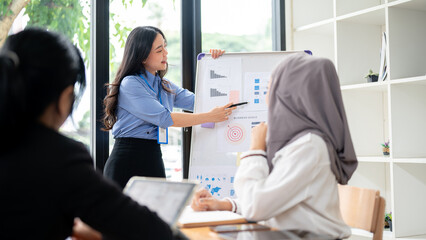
(218, 180)
(191, 218)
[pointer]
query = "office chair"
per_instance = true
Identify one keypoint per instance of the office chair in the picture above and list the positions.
(363, 208)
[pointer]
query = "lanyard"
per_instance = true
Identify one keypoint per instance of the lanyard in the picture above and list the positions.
(159, 87)
(163, 133)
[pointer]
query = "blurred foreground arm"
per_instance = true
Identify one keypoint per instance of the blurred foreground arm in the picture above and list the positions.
(82, 231)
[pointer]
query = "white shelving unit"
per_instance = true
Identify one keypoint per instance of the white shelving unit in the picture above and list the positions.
(349, 32)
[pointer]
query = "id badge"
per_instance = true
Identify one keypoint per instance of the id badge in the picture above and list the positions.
(163, 135)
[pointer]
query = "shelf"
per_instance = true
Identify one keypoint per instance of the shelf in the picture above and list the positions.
(349, 6)
(383, 86)
(373, 159)
(315, 26)
(417, 237)
(413, 80)
(409, 160)
(373, 16)
(409, 4)
(362, 233)
(387, 234)
(373, 86)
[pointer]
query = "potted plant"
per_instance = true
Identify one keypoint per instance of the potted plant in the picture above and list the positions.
(372, 77)
(386, 148)
(388, 221)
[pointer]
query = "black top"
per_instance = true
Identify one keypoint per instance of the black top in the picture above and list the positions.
(49, 179)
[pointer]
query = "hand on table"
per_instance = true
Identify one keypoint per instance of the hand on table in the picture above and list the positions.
(204, 201)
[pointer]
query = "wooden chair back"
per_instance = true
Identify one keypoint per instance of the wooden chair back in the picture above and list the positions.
(363, 208)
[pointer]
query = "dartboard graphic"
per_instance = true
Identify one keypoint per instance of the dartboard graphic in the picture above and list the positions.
(235, 133)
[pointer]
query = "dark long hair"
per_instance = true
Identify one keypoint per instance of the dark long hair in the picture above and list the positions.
(137, 49)
(35, 67)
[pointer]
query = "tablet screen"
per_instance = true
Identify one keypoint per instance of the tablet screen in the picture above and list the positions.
(273, 235)
(166, 198)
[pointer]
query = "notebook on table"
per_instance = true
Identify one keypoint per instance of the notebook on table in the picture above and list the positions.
(168, 199)
(191, 218)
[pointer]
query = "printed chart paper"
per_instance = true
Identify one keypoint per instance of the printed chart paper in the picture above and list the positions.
(255, 90)
(218, 180)
(222, 83)
(234, 135)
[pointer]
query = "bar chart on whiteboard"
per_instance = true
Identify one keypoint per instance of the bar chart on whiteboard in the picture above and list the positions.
(216, 147)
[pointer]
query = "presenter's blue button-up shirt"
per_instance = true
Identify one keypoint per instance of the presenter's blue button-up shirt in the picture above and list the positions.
(139, 111)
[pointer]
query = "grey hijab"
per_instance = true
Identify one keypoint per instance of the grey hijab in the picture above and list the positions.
(305, 96)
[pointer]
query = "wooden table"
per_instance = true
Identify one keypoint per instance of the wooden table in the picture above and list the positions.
(203, 233)
(200, 233)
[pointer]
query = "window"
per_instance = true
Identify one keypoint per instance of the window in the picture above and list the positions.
(70, 18)
(237, 25)
(164, 14)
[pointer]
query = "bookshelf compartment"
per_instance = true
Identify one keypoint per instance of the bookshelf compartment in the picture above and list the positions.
(310, 15)
(375, 176)
(408, 111)
(407, 49)
(410, 199)
(319, 40)
(358, 46)
(349, 6)
(367, 113)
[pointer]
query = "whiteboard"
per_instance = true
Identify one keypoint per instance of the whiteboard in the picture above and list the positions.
(215, 148)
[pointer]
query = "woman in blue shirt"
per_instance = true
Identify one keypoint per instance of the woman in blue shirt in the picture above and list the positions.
(139, 106)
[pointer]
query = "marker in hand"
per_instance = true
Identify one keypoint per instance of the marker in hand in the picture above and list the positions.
(237, 104)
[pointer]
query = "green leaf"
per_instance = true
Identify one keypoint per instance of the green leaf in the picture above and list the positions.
(5, 8)
(65, 16)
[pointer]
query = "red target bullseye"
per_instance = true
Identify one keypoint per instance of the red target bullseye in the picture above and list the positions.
(235, 133)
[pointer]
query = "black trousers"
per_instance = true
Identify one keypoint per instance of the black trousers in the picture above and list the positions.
(134, 157)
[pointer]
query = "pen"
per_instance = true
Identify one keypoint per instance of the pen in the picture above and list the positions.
(237, 104)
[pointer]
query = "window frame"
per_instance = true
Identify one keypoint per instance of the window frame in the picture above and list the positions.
(100, 77)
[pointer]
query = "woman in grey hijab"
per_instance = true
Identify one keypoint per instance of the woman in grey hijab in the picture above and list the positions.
(289, 176)
(305, 97)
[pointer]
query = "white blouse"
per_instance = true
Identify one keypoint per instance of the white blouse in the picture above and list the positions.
(300, 192)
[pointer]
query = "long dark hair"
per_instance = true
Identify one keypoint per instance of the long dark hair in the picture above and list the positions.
(137, 49)
(35, 67)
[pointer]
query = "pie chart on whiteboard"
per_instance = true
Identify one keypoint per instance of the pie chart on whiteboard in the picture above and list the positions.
(235, 133)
